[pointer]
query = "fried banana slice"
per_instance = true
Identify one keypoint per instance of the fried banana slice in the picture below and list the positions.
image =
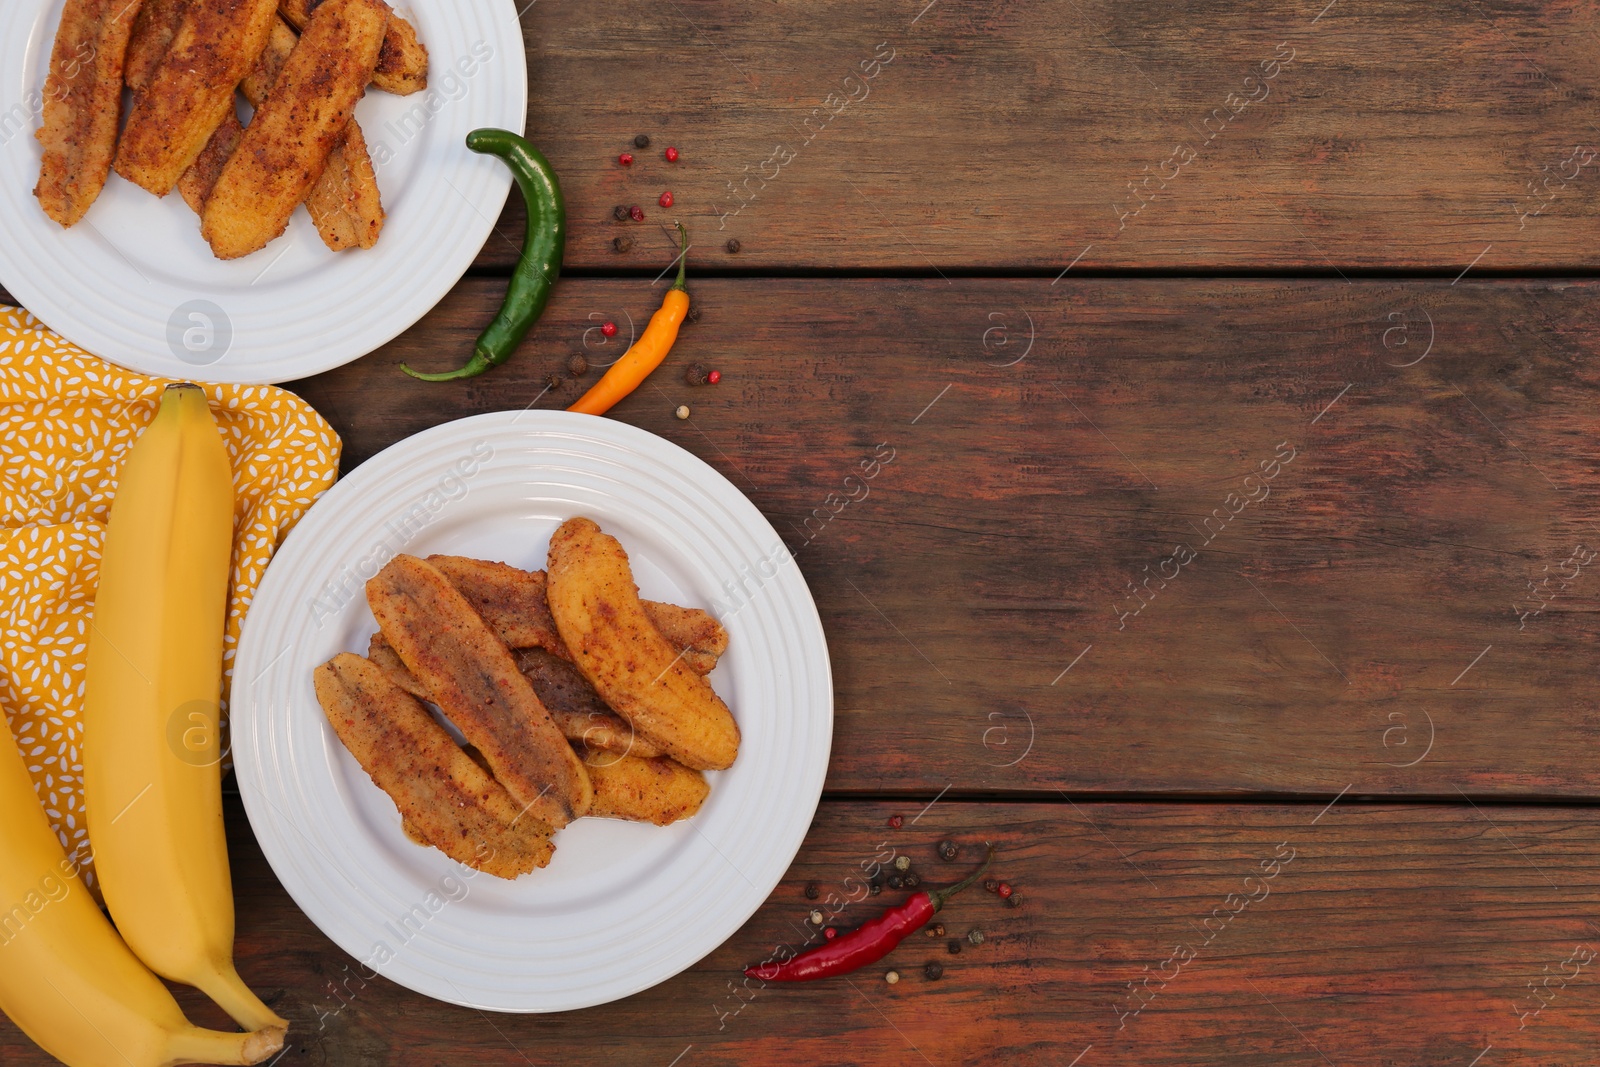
(82, 105)
(192, 90)
(515, 603)
(470, 674)
(198, 181)
(659, 791)
(287, 144)
(619, 650)
(446, 800)
(574, 706)
(402, 63)
(158, 22)
(345, 203)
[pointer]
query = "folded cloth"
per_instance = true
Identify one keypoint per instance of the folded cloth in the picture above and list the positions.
(66, 420)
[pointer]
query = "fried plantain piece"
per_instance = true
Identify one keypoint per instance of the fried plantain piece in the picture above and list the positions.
(287, 144)
(446, 800)
(82, 105)
(659, 791)
(619, 650)
(345, 203)
(470, 674)
(158, 22)
(402, 63)
(198, 181)
(574, 706)
(191, 92)
(515, 603)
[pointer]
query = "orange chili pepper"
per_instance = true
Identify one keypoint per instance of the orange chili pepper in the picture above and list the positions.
(647, 353)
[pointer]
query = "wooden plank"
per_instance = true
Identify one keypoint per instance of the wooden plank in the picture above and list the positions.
(1357, 617)
(1019, 135)
(1386, 935)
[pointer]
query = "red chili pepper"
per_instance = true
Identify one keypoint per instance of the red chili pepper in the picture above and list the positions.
(869, 942)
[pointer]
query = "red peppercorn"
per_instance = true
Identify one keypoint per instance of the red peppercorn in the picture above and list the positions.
(672, 155)
(666, 199)
(830, 933)
(714, 377)
(609, 329)
(1004, 889)
(636, 213)
(626, 159)
(895, 821)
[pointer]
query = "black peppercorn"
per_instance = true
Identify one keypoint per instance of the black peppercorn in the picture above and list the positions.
(1014, 901)
(954, 946)
(992, 884)
(642, 141)
(577, 366)
(732, 245)
(911, 880)
(875, 888)
(934, 971)
(813, 891)
(553, 381)
(621, 244)
(695, 374)
(895, 881)
(620, 212)
(949, 850)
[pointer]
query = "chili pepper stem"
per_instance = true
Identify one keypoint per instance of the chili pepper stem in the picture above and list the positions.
(940, 896)
(475, 366)
(683, 257)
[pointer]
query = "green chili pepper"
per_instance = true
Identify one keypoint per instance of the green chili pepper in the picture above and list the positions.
(542, 250)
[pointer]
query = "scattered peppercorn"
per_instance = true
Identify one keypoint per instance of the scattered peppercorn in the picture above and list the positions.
(936, 930)
(813, 891)
(553, 381)
(642, 141)
(902, 863)
(829, 933)
(949, 850)
(609, 329)
(895, 822)
(714, 377)
(934, 970)
(666, 199)
(672, 154)
(1014, 901)
(954, 947)
(990, 884)
(892, 977)
(895, 881)
(636, 213)
(975, 935)
(695, 374)
(875, 888)
(816, 918)
(732, 245)
(683, 411)
(622, 244)
(912, 880)
(577, 366)
(1004, 889)
(620, 212)
(626, 159)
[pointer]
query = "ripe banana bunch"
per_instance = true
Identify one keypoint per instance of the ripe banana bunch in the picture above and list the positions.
(66, 978)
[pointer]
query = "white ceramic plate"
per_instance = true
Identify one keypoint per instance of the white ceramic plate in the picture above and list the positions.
(134, 283)
(622, 906)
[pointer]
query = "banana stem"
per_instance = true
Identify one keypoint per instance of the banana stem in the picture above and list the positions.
(212, 1046)
(234, 997)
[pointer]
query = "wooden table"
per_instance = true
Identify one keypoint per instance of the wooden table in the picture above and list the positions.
(1233, 571)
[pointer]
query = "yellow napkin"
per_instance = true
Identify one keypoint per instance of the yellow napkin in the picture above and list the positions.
(66, 420)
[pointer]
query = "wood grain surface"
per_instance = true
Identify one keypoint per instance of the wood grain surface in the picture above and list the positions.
(1388, 935)
(1361, 619)
(1027, 134)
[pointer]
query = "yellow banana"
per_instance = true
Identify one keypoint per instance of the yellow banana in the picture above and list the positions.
(66, 978)
(152, 773)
